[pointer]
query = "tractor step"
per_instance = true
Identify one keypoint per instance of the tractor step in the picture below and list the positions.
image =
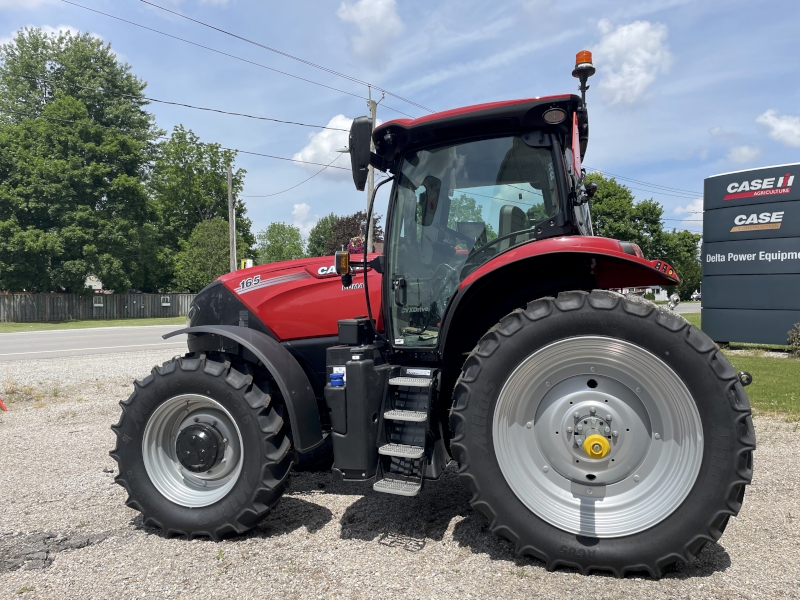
(421, 382)
(402, 451)
(397, 486)
(414, 416)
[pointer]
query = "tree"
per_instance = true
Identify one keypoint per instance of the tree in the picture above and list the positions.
(682, 251)
(205, 255)
(75, 142)
(278, 242)
(319, 235)
(615, 214)
(190, 184)
(465, 210)
(348, 227)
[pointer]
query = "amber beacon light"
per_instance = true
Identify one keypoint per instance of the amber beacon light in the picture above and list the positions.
(583, 70)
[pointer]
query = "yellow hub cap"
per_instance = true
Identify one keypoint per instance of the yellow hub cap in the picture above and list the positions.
(596, 446)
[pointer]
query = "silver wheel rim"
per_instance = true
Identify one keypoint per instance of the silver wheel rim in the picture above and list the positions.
(655, 455)
(177, 484)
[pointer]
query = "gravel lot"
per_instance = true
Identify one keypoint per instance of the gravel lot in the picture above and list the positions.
(66, 533)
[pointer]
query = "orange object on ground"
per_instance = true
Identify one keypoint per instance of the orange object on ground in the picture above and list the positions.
(3, 406)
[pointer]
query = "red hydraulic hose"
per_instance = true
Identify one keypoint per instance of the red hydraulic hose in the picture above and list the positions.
(3, 406)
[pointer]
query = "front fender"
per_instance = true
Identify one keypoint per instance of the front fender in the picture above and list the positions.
(289, 375)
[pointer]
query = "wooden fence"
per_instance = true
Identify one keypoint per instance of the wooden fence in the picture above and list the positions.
(24, 308)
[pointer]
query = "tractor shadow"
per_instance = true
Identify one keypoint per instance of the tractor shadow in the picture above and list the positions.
(409, 523)
(287, 516)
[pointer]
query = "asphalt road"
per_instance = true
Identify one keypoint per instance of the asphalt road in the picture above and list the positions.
(687, 307)
(32, 345)
(77, 342)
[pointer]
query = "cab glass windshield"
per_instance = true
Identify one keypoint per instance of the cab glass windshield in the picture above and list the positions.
(456, 208)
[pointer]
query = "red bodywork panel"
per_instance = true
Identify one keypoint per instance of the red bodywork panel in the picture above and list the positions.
(301, 299)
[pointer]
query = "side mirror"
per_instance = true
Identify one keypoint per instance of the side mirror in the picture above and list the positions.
(591, 188)
(342, 264)
(359, 145)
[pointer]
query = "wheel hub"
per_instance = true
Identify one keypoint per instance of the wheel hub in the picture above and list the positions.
(192, 450)
(199, 447)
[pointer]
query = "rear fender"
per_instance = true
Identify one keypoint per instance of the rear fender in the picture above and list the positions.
(528, 272)
(289, 375)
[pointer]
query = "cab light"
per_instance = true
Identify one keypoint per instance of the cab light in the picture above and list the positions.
(583, 57)
(554, 116)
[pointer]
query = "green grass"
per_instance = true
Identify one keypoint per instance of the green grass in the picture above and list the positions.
(18, 327)
(693, 318)
(776, 384)
(776, 381)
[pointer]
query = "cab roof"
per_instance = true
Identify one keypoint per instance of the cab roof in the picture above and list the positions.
(493, 118)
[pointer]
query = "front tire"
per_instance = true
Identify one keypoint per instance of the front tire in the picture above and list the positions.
(677, 438)
(203, 447)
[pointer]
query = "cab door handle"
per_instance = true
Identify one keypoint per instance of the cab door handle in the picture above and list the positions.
(399, 286)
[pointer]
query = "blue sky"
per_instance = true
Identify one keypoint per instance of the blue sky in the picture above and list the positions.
(684, 89)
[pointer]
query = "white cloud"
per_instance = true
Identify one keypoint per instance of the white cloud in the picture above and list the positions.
(322, 148)
(694, 215)
(630, 57)
(303, 219)
(378, 26)
(785, 129)
(744, 154)
(718, 134)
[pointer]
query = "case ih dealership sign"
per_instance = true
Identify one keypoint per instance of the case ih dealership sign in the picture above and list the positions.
(751, 255)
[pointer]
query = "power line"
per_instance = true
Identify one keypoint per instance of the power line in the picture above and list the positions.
(299, 184)
(74, 122)
(175, 37)
(287, 55)
(654, 185)
(204, 108)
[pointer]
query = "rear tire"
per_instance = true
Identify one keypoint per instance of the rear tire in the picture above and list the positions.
(590, 350)
(243, 417)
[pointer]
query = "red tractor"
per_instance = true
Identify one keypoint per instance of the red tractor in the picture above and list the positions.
(593, 430)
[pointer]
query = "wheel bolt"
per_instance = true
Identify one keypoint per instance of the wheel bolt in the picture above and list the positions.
(592, 410)
(607, 429)
(528, 424)
(576, 415)
(596, 448)
(615, 434)
(657, 436)
(569, 429)
(579, 428)
(608, 418)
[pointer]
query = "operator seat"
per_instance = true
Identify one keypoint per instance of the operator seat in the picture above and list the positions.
(511, 219)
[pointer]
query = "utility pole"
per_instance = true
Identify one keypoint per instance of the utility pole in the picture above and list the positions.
(373, 110)
(231, 219)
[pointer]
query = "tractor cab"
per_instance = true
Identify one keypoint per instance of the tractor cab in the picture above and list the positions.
(460, 200)
(469, 185)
